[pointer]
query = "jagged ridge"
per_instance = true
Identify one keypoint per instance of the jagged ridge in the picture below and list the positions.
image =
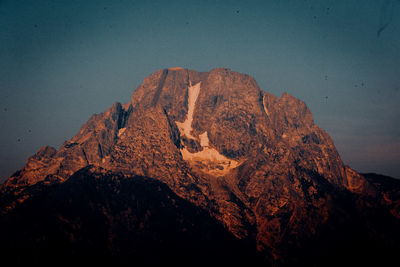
(256, 162)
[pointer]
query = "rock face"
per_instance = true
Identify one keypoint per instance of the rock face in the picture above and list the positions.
(97, 216)
(257, 163)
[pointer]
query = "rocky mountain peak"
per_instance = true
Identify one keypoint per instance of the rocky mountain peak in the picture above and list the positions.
(212, 122)
(257, 163)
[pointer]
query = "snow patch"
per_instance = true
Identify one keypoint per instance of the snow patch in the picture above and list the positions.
(185, 127)
(204, 141)
(265, 108)
(207, 154)
(209, 160)
(121, 131)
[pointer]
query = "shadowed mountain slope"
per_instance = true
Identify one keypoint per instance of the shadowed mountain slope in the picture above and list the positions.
(256, 163)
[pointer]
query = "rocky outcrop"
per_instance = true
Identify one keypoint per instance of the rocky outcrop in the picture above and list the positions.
(99, 217)
(92, 145)
(256, 162)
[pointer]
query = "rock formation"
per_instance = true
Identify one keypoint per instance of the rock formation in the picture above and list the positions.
(255, 162)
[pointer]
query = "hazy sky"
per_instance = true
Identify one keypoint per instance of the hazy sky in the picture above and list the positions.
(61, 61)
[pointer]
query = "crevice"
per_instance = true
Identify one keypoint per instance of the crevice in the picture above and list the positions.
(187, 78)
(173, 131)
(84, 154)
(100, 149)
(122, 118)
(262, 102)
(160, 87)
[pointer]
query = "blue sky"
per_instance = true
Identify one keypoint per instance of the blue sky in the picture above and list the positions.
(61, 61)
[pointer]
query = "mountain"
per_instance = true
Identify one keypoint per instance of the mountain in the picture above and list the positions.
(254, 164)
(97, 216)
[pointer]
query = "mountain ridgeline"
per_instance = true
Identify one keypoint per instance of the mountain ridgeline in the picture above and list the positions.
(231, 173)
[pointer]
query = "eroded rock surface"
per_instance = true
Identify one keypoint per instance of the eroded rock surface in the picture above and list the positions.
(256, 162)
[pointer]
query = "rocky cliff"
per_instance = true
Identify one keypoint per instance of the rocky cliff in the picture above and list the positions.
(255, 162)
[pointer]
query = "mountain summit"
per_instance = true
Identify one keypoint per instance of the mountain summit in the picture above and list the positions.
(256, 163)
